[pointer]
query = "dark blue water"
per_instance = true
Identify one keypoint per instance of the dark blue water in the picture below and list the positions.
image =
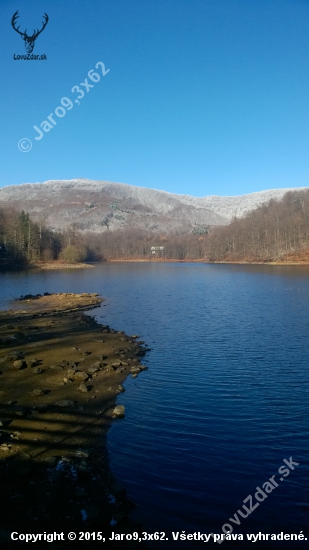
(225, 399)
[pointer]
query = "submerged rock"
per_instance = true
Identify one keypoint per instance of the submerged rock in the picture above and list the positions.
(51, 460)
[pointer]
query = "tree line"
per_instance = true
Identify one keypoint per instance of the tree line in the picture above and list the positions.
(273, 231)
(277, 230)
(23, 241)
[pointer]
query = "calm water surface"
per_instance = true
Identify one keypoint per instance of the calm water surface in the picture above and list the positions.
(225, 398)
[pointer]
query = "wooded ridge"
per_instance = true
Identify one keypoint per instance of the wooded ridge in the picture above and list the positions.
(277, 230)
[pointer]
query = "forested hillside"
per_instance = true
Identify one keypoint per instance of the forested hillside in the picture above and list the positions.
(275, 231)
(24, 242)
(278, 230)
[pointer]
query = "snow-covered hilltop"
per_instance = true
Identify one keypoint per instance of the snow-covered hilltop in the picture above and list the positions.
(100, 206)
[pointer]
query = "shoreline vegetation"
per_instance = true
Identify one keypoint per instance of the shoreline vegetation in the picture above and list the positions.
(82, 265)
(275, 233)
(60, 374)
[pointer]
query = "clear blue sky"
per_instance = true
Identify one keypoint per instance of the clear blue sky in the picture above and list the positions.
(203, 97)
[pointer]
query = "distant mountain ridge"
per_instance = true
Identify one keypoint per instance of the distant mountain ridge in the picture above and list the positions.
(100, 206)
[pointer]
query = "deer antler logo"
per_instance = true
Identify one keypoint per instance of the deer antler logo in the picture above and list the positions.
(29, 40)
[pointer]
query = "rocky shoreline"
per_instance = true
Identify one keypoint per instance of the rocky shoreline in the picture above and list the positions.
(60, 373)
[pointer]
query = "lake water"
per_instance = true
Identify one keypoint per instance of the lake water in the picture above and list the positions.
(225, 399)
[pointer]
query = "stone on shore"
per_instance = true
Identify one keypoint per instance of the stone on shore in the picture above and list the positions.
(135, 370)
(119, 411)
(80, 376)
(37, 392)
(19, 364)
(83, 388)
(65, 414)
(65, 403)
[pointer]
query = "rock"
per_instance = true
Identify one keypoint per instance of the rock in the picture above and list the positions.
(142, 367)
(51, 460)
(37, 370)
(55, 367)
(80, 376)
(21, 411)
(64, 363)
(94, 513)
(134, 375)
(83, 469)
(134, 336)
(120, 388)
(92, 370)
(24, 456)
(102, 357)
(119, 517)
(19, 335)
(57, 475)
(134, 370)
(82, 454)
(119, 411)
(65, 403)
(83, 388)
(71, 372)
(40, 408)
(37, 392)
(15, 436)
(118, 489)
(17, 354)
(20, 364)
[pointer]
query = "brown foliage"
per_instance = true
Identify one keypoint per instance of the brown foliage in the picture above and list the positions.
(269, 233)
